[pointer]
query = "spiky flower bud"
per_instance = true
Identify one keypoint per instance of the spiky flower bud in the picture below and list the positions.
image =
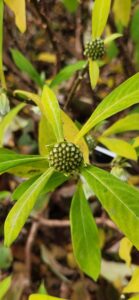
(66, 157)
(4, 104)
(94, 49)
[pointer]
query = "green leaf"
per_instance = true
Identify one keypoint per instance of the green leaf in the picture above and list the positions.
(112, 37)
(133, 285)
(25, 66)
(11, 160)
(119, 147)
(51, 110)
(21, 188)
(5, 123)
(130, 122)
(93, 73)
(136, 142)
(29, 96)
(54, 181)
(99, 17)
(67, 72)
(120, 200)
(19, 9)
(122, 11)
(46, 136)
(71, 5)
(85, 236)
(134, 29)
(4, 286)
(22, 208)
(42, 289)
(5, 257)
(4, 194)
(121, 98)
(70, 131)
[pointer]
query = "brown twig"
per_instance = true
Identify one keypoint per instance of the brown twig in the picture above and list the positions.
(66, 223)
(75, 86)
(28, 250)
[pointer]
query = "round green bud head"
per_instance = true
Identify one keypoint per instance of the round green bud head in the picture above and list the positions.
(66, 157)
(94, 49)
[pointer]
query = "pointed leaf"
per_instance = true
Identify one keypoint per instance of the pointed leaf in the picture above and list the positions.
(67, 72)
(136, 142)
(11, 160)
(4, 286)
(53, 182)
(119, 147)
(133, 285)
(46, 136)
(21, 210)
(93, 73)
(112, 37)
(26, 66)
(19, 9)
(29, 96)
(130, 122)
(122, 11)
(120, 200)
(85, 236)
(121, 98)
(99, 17)
(51, 110)
(5, 123)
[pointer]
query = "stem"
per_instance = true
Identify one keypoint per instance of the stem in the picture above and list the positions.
(75, 86)
(2, 77)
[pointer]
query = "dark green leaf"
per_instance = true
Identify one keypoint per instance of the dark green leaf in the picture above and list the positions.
(120, 200)
(85, 236)
(25, 66)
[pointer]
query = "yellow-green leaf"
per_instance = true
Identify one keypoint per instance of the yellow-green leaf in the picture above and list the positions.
(130, 122)
(4, 286)
(125, 250)
(29, 96)
(121, 98)
(47, 57)
(22, 208)
(119, 147)
(19, 9)
(93, 73)
(136, 142)
(112, 37)
(100, 14)
(46, 136)
(70, 130)
(133, 285)
(122, 11)
(51, 110)
(43, 297)
(5, 123)
(135, 298)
